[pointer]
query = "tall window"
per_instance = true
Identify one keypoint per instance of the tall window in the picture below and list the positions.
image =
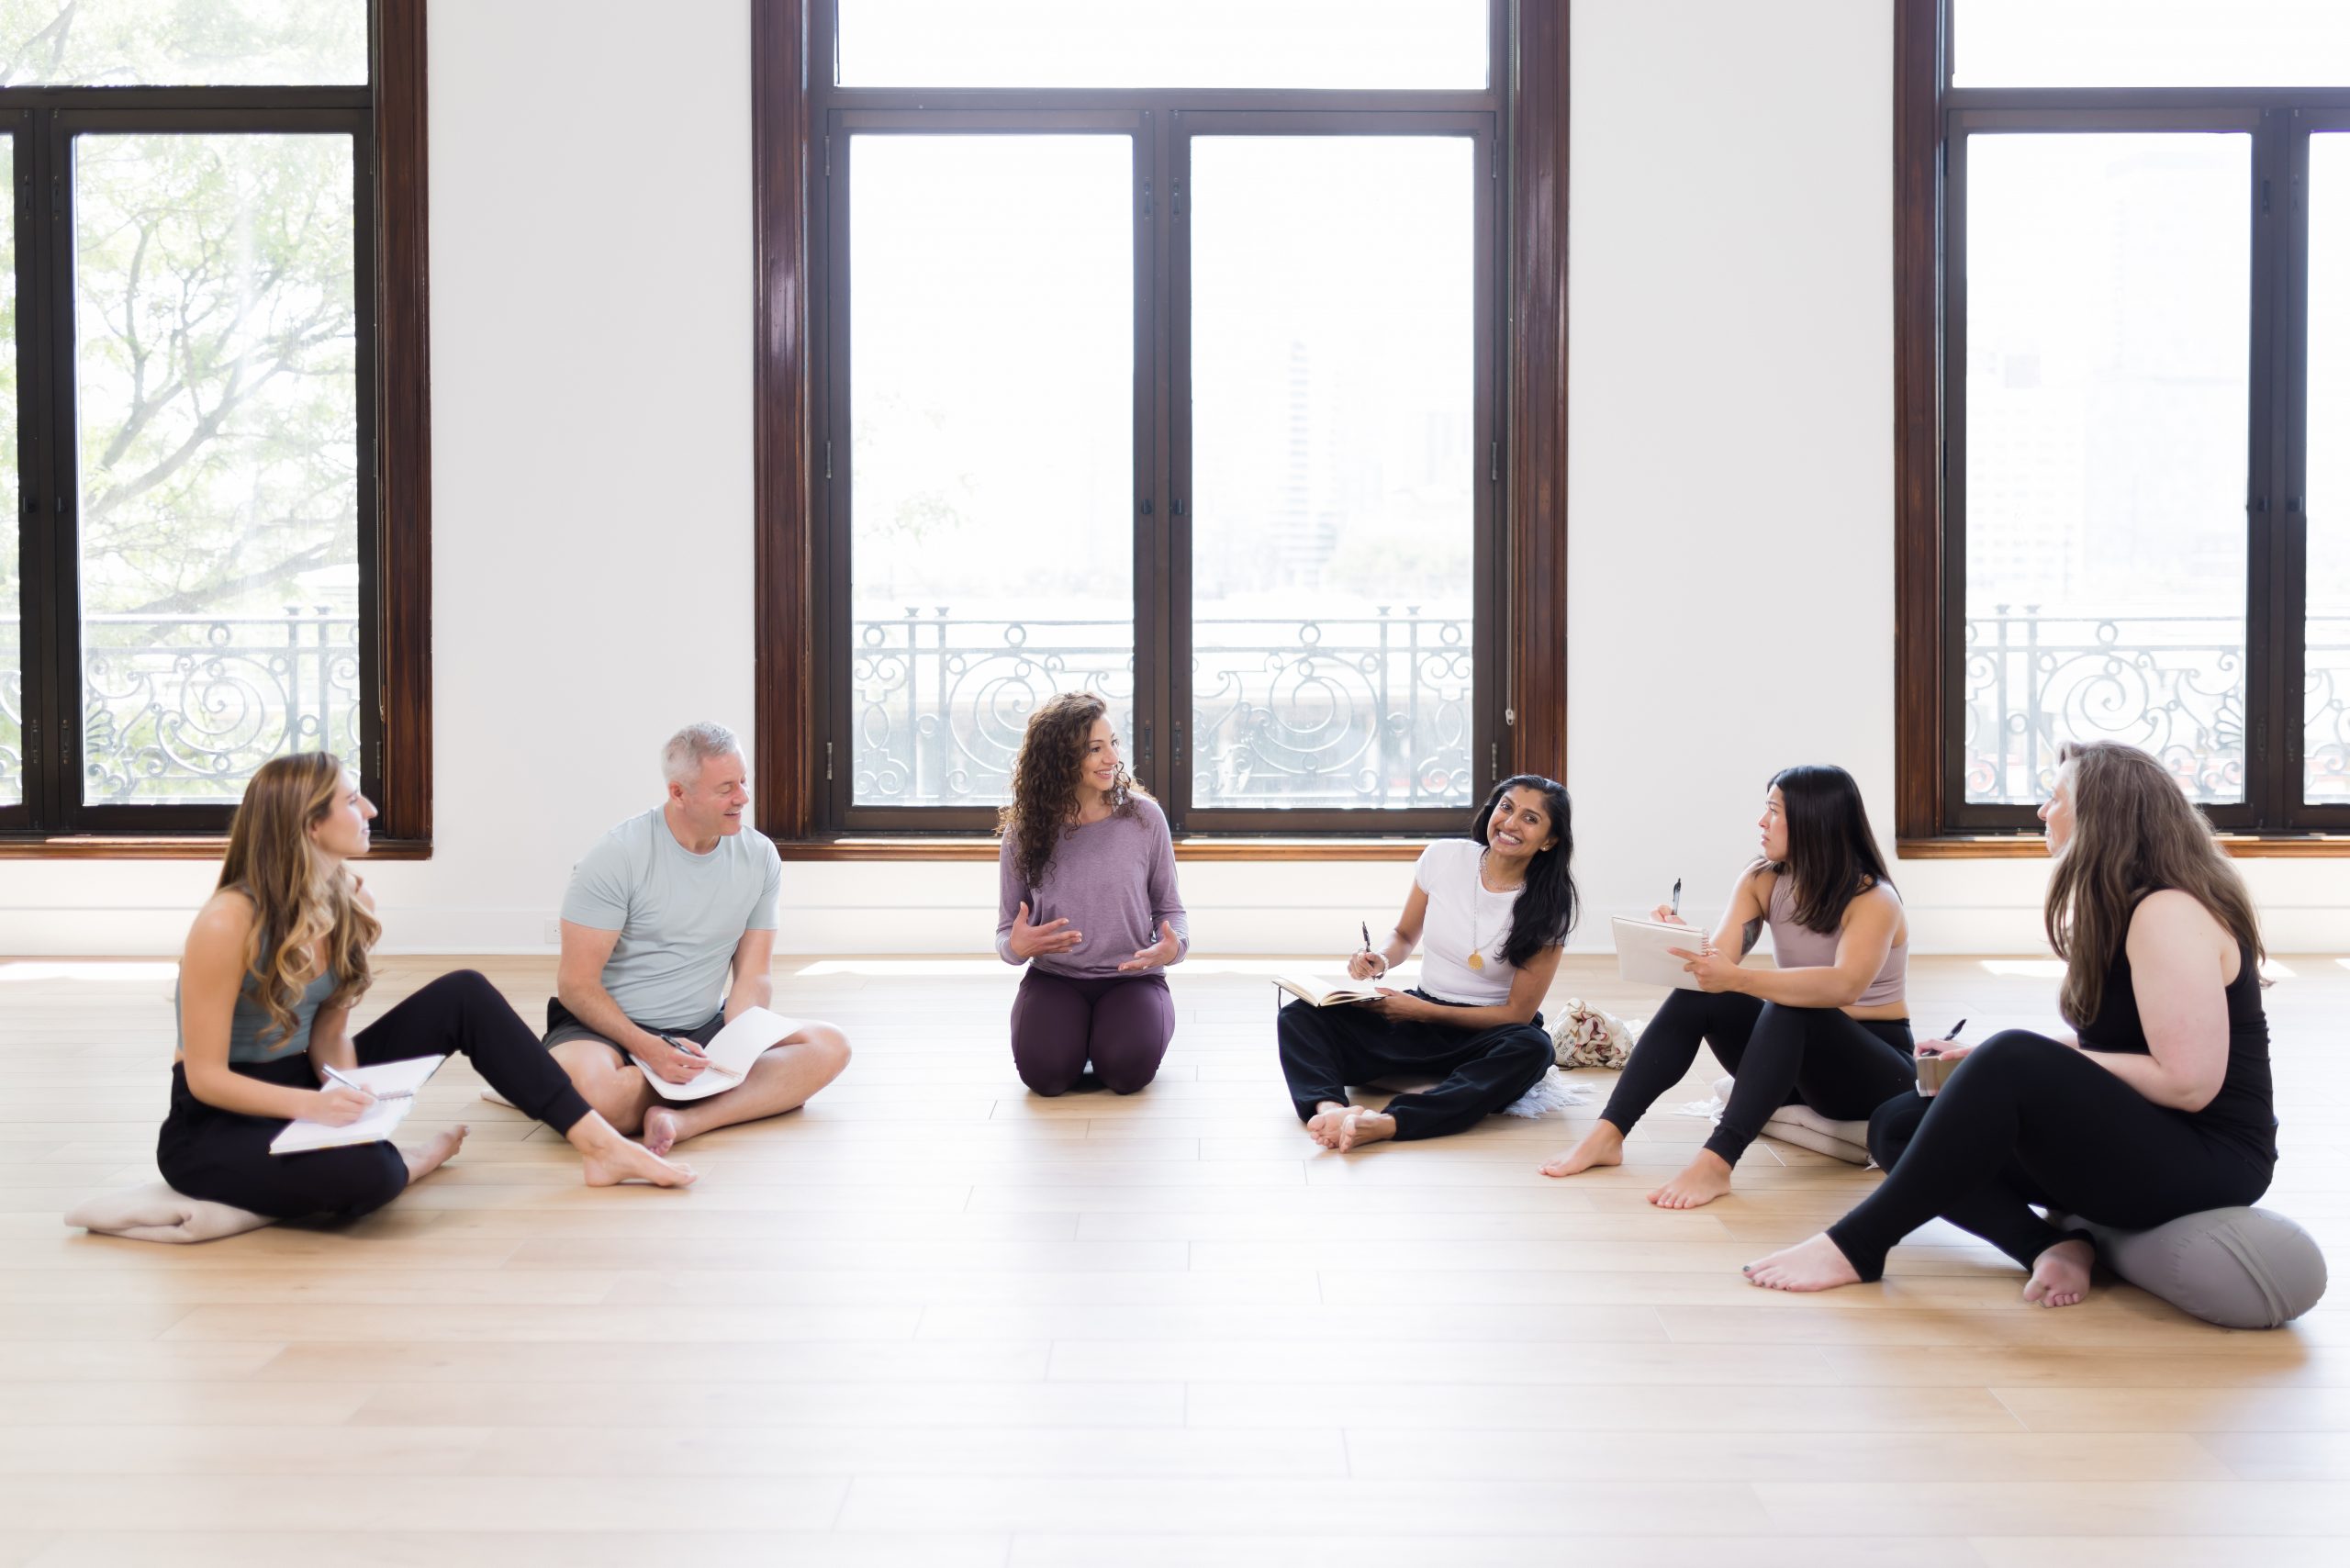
(1157, 356)
(188, 397)
(2143, 460)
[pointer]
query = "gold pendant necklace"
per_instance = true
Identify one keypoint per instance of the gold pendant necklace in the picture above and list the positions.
(1476, 906)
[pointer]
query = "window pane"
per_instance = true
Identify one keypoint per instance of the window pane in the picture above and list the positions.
(2325, 750)
(2107, 302)
(12, 652)
(1333, 408)
(1163, 43)
(183, 43)
(220, 492)
(2150, 43)
(991, 459)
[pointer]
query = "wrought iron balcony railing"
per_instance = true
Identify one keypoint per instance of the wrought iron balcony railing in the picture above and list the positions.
(1364, 711)
(179, 709)
(2173, 685)
(1360, 711)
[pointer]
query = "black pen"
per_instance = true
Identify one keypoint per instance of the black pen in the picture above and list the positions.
(1676, 897)
(1951, 1038)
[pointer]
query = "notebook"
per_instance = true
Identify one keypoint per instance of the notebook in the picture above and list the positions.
(1316, 992)
(394, 1084)
(731, 1052)
(1641, 955)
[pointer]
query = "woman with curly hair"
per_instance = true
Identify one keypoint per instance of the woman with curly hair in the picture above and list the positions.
(273, 965)
(2161, 1105)
(1089, 905)
(1495, 909)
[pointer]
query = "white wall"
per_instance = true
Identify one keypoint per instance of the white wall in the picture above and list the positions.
(1731, 386)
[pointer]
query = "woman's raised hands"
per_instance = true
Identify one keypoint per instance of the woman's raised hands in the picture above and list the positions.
(1027, 941)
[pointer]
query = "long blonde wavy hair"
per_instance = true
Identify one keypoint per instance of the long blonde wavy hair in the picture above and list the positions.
(2133, 833)
(295, 901)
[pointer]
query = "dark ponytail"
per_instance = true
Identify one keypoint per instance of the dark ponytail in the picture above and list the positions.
(1546, 906)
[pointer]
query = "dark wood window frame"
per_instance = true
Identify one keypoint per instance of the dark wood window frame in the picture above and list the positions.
(386, 119)
(1521, 625)
(1931, 119)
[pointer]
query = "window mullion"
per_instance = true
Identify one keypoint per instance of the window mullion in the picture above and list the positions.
(2289, 445)
(53, 515)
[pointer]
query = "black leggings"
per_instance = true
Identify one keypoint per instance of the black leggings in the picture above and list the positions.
(2027, 1120)
(223, 1156)
(1840, 1066)
(1325, 1048)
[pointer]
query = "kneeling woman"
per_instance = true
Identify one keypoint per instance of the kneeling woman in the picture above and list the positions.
(273, 966)
(2160, 1107)
(1828, 1027)
(1089, 905)
(1495, 909)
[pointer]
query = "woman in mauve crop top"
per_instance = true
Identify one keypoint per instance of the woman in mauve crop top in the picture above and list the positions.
(1827, 1026)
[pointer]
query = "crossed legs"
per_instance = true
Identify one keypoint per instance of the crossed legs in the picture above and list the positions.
(787, 1075)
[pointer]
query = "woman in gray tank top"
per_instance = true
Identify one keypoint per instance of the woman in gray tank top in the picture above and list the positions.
(1826, 1027)
(276, 960)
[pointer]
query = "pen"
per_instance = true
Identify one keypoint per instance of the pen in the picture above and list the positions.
(1366, 935)
(353, 1083)
(1676, 896)
(683, 1048)
(1949, 1038)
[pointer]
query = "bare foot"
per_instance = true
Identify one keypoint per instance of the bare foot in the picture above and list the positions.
(1322, 1128)
(2060, 1276)
(1359, 1126)
(660, 1130)
(424, 1161)
(1604, 1145)
(607, 1160)
(1818, 1264)
(1702, 1181)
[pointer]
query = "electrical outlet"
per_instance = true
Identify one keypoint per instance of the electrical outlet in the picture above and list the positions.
(553, 935)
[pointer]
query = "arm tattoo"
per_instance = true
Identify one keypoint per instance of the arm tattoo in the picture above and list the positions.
(1753, 930)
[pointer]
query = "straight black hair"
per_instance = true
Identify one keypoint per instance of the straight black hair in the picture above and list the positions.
(1831, 854)
(1546, 906)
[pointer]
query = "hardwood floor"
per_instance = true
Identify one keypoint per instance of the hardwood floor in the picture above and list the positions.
(933, 1319)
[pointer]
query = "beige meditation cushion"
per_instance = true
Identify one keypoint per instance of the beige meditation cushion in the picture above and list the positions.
(156, 1213)
(1807, 1129)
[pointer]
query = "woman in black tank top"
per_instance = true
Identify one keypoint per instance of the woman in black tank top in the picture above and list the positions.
(2161, 1107)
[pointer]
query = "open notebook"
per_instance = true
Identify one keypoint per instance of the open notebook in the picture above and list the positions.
(731, 1052)
(1314, 991)
(1642, 954)
(393, 1083)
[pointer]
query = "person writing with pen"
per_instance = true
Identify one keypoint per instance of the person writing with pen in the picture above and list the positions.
(1827, 1027)
(1490, 912)
(668, 932)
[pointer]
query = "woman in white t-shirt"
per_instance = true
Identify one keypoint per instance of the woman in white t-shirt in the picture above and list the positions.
(1494, 910)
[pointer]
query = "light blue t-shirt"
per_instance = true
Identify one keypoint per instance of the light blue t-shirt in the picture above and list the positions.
(680, 915)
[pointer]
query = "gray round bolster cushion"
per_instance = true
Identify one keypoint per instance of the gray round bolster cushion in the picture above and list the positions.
(2238, 1268)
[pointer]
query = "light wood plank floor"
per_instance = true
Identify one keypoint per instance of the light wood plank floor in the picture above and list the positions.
(936, 1320)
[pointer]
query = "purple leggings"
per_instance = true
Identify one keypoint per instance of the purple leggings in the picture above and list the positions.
(1120, 1023)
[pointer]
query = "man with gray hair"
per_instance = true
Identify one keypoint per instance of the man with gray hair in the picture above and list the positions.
(659, 913)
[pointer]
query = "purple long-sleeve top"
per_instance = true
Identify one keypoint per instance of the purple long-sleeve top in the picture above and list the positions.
(1114, 881)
